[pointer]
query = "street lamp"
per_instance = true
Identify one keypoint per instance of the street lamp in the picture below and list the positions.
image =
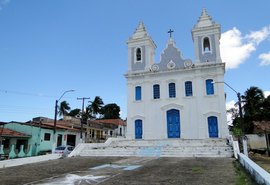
(55, 117)
(239, 103)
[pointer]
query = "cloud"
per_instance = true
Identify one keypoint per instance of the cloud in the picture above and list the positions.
(265, 59)
(236, 48)
(266, 93)
(229, 105)
(3, 3)
(259, 36)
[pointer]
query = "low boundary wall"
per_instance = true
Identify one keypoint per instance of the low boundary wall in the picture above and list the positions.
(28, 160)
(260, 175)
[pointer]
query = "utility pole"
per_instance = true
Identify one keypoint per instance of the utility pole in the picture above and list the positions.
(83, 98)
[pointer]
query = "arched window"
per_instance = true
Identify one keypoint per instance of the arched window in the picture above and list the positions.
(206, 45)
(209, 87)
(172, 92)
(138, 54)
(188, 88)
(156, 91)
(138, 93)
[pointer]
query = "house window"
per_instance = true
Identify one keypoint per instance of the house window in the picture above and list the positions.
(172, 93)
(5, 142)
(47, 137)
(138, 54)
(111, 133)
(188, 88)
(206, 45)
(138, 93)
(156, 91)
(209, 87)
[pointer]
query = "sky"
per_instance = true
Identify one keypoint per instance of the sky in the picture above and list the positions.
(48, 47)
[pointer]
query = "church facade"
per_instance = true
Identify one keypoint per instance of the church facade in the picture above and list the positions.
(176, 97)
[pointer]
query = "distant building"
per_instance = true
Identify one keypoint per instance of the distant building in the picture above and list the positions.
(98, 130)
(176, 97)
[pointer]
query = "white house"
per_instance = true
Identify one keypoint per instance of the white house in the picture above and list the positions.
(176, 97)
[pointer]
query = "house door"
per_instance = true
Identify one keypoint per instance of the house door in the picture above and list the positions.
(138, 129)
(173, 123)
(71, 139)
(212, 126)
(59, 140)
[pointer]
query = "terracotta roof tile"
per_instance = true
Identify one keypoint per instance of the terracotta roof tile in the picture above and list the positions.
(111, 121)
(5, 132)
(61, 126)
(263, 125)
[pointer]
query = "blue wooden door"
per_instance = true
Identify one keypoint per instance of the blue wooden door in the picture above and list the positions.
(173, 123)
(138, 129)
(212, 126)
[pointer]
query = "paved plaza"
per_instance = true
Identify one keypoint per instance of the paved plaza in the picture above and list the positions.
(123, 170)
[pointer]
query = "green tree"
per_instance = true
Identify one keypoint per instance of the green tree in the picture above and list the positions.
(253, 100)
(74, 112)
(266, 108)
(63, 108)
(111, 111)
(96, 106)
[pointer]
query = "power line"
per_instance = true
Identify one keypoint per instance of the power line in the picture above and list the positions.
(29, 94)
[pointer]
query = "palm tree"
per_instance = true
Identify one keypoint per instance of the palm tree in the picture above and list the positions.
(96, 106)
(253, 99)
(63, 108)
(266, 108)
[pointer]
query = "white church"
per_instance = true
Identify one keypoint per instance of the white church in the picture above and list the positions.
(176, 97)
(175, 108)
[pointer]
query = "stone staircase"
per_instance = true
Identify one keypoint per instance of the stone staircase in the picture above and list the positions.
(156, 148)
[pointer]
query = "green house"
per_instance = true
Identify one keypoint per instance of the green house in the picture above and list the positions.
(41, 136)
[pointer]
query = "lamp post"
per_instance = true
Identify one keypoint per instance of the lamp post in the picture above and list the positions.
(244, 142)
(55, 118)
(239, 103)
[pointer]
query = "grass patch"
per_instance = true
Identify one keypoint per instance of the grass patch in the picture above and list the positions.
(242, 176)
(197, 169)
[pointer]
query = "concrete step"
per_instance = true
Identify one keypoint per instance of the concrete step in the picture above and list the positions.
(160, 148)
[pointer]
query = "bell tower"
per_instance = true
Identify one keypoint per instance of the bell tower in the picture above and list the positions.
(141, 50)
(206, 36)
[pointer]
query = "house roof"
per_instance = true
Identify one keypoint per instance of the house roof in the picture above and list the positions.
(61, 127)
(47, 125)
(262, 125)
(5, 132)
(3, 123)
(110, 121)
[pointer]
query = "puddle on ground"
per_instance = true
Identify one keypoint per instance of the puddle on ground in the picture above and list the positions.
(95, 175)
(114, 166)
(72, 179)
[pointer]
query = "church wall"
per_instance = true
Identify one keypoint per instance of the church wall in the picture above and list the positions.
(194, 110)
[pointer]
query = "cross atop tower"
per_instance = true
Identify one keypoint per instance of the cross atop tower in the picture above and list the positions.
(170, 32)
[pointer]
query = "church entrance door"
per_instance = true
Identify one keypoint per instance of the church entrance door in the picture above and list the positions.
(173, 123)
(212, 126)
(138, 129)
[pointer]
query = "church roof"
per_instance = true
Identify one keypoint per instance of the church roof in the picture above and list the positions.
(140, 31)
(171, 58)
(204, 20)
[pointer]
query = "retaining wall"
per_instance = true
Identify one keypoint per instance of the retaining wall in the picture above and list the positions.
(260, 175)
(28, 160)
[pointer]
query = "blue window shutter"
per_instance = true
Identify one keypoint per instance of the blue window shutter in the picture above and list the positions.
(188, 88)
(156, 91)
(138, 93)
(172, 93)
(209, 87)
